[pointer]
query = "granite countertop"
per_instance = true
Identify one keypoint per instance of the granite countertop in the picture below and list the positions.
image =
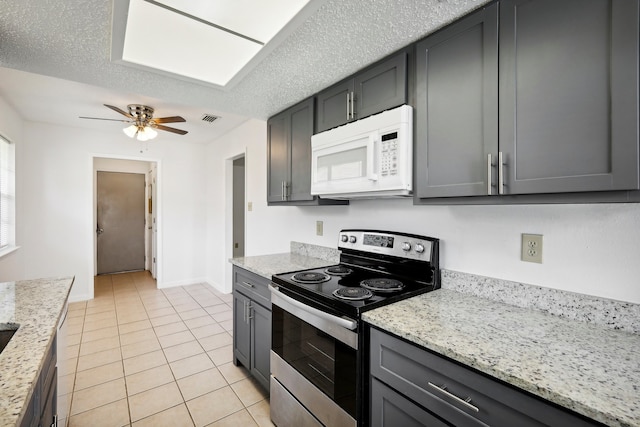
(34, 306)
(588, 368)
(268, 265)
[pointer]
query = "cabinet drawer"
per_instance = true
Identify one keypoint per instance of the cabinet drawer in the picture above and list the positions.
(470, 398)
(254, 286)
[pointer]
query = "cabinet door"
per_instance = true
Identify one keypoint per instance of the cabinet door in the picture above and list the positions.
(332, 108)
(457, 107)
(278, 159)
(241, 330)
(301, 129)
(381, 87)
(260, 344)
(569, 95)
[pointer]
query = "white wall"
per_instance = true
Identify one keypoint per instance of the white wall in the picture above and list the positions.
(56, 204)
(591, 249)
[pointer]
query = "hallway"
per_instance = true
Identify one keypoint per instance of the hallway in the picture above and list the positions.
(139, 356)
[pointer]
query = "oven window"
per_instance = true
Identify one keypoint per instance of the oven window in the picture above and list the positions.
(326, 362)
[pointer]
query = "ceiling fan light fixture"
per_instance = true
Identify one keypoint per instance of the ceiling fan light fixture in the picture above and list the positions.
(131, 130)
(146, 133)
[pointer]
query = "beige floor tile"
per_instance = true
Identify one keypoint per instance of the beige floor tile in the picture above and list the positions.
(233, 373)
(114, 414)
(143, 362)
(101, 374)
(99, 324)
(207, 330)
(75, 329)
(170, 328)
(191, 365)
(214, 406)
(216, 341)
(159, 312)
(158, 321)
(98, 359)
(199, 322)
(73, 339)
(134, 326)
(178, 416)
(105, 315)
(222, 355)
(227, 325)
(79, 305)
(65, 383)
(141, 347)
(103, 344)
(175, 339)
(218, 308)
(108, 332)
(137, 336)
(201, 383)
(69, 352)
(261, 413)
(132, 317)
(146, 380)
(222, 316)
(96, 396)
(73, 321)
(240, 418)
(67, 367)
(192, 314)
(249, 391)
(153, 401)
(182, 351)
(209, 301)
(102, 308)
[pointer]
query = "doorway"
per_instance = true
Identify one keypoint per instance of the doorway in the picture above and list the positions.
(238, 206)
(120, 222)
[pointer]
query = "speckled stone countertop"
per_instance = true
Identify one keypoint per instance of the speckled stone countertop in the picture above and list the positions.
(301, 257)
(591, 369)
(35, 307)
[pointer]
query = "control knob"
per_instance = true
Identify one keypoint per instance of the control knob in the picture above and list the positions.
(352, 239)
(419, 248)
(344, 238)
(406, 246)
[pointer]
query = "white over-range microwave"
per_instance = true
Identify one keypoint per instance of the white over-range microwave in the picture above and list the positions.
(368, 158)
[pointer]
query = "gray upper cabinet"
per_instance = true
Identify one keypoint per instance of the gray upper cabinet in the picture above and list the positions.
(457, 107)
(375, 89)
(289, 157)
(554, 109)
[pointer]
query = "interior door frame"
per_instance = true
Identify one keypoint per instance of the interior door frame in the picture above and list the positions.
(157, 206)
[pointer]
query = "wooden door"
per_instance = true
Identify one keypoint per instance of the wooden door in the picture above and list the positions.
(121, 222)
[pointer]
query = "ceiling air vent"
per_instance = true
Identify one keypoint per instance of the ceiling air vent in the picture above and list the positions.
(209, 118)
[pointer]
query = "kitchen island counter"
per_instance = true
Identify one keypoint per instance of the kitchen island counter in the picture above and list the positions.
(590, 369)
(35, 308)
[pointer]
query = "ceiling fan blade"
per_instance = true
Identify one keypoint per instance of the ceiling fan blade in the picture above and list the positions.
(100, 118)
(168, 129)
(118, 110)
(172, 119)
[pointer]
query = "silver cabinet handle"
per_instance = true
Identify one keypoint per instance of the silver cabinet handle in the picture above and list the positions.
(348, 102)
(500, 173)
(282, 191)
(465, 402)
(489, 174)
(249, 310)
(244, 311)
(248, 285)
(353, 101)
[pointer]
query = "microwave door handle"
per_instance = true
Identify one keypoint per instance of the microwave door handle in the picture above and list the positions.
(371, 157)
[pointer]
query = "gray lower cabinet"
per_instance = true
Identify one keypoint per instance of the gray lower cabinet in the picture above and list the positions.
(42, 408)
(289, 157)
(413, 386)
(375, 89)
(529, 97)
(252, 324)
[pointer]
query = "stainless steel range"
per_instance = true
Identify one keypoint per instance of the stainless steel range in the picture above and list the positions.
(318, 360)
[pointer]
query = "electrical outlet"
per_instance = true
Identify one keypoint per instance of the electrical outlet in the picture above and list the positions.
(250, 206)
(319, 228)
(532, 248)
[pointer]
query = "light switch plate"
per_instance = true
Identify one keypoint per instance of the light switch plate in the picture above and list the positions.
(532, 248)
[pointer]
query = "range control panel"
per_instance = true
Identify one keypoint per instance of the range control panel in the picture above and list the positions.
(393, 244)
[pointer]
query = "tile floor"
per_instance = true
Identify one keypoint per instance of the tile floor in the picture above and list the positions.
(139, 356)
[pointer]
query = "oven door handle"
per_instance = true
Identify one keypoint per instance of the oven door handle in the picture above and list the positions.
(340, 321)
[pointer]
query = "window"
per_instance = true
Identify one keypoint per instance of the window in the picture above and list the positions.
(7, 194)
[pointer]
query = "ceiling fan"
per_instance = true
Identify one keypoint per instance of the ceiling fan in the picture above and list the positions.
(142, 124)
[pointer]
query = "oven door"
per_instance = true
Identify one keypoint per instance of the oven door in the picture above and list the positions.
(313, 365)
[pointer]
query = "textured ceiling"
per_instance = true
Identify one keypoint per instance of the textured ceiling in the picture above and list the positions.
(71, 40)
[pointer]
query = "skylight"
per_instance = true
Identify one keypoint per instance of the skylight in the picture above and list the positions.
(209, 41)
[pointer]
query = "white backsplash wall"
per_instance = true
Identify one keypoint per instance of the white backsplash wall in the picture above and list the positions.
(591, 249)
